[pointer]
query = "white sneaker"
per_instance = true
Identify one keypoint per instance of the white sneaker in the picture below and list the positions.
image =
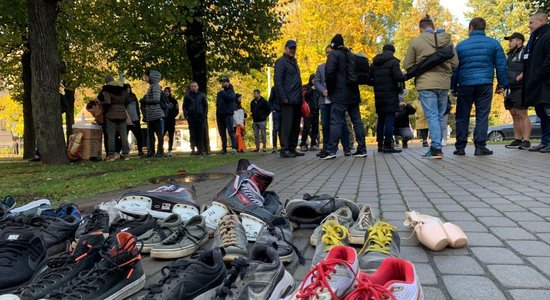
(358, 231)
(170, 154)
(109, 207)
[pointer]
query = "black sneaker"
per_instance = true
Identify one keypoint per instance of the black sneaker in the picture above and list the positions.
(483, 151)
(297, 153)
(360, 153)
(190, 279)
(98, 221)
(6, 205)
(136, 227)
(327, 155)
(22, 252)
(60, 270)
(391, 150)
(515, 144)
(56, 232)
(286, 154)
(117, 275)
(405, 144)
(347, 152)
(425, 144)
(280, 233)
(312, 209)
(525, 145)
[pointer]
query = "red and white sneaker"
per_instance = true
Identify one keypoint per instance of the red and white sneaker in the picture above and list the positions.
(332, 278)
(395, 279)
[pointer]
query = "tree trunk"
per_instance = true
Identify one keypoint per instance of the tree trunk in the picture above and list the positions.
(69, 114)
(29, 138)
(45, 66)
(196, 52)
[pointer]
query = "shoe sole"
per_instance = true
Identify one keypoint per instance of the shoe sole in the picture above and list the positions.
(328, 157)
(178, 252)
(432, 157)
(128, 290)
(283, 287)
(360, 155)
(512, 147)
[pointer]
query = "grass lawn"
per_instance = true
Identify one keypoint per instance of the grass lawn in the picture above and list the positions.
(29, 181)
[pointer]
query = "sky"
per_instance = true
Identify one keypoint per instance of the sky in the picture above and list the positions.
(457, 7)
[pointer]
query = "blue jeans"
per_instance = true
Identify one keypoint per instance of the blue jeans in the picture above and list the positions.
(543, 112)
(325, 124)
(434, 105)
(384, 129)
(481, 96)
(338, 121)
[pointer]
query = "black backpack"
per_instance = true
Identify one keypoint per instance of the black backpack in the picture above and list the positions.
(440, 56)
(357, 68)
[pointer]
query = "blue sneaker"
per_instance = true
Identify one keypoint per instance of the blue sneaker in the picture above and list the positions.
(431, 154)
(64, 209)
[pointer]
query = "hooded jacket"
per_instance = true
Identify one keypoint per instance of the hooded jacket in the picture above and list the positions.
(385, 75)
(288, 83)
(536, 75)
(152, 108)
(419, 49)
(118, 94)
(195, 106)
(226, 102)
(402, 117)
(339, 90)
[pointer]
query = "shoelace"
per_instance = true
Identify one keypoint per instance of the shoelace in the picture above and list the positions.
(365, 289)
(228, 234)
(366, 220)
(380, 238)
(333, 234)
(320, 275)
(11, 250)
(238, 269)
(179, 234)
(281, 235)
(157, 231)
(251, 192)
(169, 272)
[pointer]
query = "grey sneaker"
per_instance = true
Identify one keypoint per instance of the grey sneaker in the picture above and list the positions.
(184, 241)
(358, 231)
(230, 236)
(33, 208)
(382, 242)
(280, 233)
(314, 208)
(161, 232)
(263, 276)
(333, 233)
(343, 215)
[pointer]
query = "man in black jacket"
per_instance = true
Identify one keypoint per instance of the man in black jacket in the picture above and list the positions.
(225, 107)
(385, 76)
(401, 126)
(260, 111)
(195, 110)
(344, 97)
(288, 86)
(170, 122)
(536, 76)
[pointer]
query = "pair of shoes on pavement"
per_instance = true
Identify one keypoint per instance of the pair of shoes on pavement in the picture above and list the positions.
(338, 277)
(185, 239)
(542, 148)
(433, 233)
(481, 151)
(329, 155)
(519, 144)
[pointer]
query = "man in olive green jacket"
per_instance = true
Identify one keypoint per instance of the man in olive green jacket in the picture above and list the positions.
(432, 86)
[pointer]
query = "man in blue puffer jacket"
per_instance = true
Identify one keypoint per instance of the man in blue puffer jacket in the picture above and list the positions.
(479, 56)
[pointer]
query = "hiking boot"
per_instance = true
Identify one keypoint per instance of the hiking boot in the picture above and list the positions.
(358, 230)
(343, 216)
(287, 154)
(333, 233)
(60, 270)
(395, 279)
(230, 236)
(459, 152)
(56, 232)
(64, 209)
(161, 202)
(33, 208)
(360, 153)
(190, 279)
(483, 151)
(136, 227)
(189, 237)
(262, 276)
(314, 208)
(515, 144)
(280, 233)
(331, 278)
(161, 232)
(118, 274)
(22, 252)
(98, 221)
(382, 242)
(327, 155)
(525, 145)
(537, 148)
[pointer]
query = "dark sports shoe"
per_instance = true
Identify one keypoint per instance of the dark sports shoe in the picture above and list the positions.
(459, 152)
(6, 205)
(515, 144)
(545, 150)
(525, 145)
(56, 232)
(280, 233)
(425, 144)
(64, 209)
(297, 153)
(22, 252)
(360, 153)
(537, 148)
(263, 276)
(117, 275)
(347, 152)
(314, 208)
(287, 154)
(161, 202)
(60, 270)
(98, 221)
(190, 279)
(327, 155)
(483, 151)
(391, 149)
(136, 227)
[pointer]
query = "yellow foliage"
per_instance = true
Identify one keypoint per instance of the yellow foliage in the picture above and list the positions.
(11, 112)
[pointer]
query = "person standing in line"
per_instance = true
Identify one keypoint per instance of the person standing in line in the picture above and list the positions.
(344, 96)
(260, 111)
(195, 110)
(288, 86)
(154, 113)
(171, 115)
(536, 76)
(311, 123)
(276, 110)
(239, 117)
(225, 107)
(135, 115)
(433, 85)
(513, 95)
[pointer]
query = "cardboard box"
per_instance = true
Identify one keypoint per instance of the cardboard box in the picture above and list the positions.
(89, 131)
(91, 143)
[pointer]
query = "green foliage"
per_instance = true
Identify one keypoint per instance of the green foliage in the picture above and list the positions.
(13, 36)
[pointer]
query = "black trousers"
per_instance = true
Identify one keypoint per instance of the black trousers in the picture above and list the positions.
(225, 126)
(136, 131)
(311, 129)
(290, 126)
(154, 128)
(170, 127)
(196, 129)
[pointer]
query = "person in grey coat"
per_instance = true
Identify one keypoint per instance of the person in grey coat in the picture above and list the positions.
(153, 113)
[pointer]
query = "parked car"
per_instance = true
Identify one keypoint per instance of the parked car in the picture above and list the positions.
(506, 131)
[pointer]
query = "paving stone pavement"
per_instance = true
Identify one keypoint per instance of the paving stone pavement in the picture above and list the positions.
(502, 202)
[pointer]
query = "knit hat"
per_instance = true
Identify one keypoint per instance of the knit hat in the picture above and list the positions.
(337, 41)
(388, 47)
